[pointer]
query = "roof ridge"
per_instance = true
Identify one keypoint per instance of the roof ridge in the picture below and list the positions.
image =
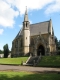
(40, 22)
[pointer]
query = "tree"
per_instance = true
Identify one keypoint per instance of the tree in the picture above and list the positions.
(6, 50)
(57, 45)
(1, 51)
(56, 41)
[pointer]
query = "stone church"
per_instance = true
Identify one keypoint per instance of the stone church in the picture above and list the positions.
(36, 39)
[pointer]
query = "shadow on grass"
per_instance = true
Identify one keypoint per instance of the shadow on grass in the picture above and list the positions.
(42, 76)
(50, 61)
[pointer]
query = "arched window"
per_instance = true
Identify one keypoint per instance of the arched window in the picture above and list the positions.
(26, 24)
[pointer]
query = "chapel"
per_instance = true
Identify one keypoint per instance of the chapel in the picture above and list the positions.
(35, 39)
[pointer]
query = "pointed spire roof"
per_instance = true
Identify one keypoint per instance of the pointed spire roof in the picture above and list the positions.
(26, 15)
(50, 19)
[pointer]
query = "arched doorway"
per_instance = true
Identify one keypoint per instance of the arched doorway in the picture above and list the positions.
(41, 50)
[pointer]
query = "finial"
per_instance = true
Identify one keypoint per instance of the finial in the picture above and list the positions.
(26, 15)
(50, 18)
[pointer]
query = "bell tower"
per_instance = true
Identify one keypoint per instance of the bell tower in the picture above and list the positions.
(26, 34)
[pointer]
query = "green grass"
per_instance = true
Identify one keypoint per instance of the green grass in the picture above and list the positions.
(50, 61)
(46, 61)
(15, 61)
(28, 76)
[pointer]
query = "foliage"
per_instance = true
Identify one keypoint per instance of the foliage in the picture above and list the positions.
(6, 50)
(28, 76)
(57, 45)
(1, 52)
(56, 41)
(50, 61)
(14, 61)
(9, 51)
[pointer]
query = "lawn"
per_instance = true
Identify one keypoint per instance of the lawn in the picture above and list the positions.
(28, 76)
(50, 61)
(15, 61)
(46, 61)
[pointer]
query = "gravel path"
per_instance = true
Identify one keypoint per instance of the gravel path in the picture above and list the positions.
(28, 68)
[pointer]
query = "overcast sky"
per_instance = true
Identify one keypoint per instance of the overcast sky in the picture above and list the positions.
(12, 15)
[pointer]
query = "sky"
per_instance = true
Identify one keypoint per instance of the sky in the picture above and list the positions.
(12, 16)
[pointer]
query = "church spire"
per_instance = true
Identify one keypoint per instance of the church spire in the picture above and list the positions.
(26, 15)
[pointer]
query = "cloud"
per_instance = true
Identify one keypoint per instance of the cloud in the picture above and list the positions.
(31, 4)
(7, 14)
(54, 7)
(1, 31)
(9, 9)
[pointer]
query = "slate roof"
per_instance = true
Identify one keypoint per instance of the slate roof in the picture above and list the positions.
(35, 29)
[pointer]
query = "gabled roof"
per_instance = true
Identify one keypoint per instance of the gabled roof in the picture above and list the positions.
(35, 29)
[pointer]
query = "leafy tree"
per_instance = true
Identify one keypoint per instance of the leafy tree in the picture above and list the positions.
(6, 50)
(9, 51)
(59, 44)
(1, 52)
(59, 47)
(56, 41)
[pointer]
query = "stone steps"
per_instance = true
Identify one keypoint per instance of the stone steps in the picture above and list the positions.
(32, 60)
